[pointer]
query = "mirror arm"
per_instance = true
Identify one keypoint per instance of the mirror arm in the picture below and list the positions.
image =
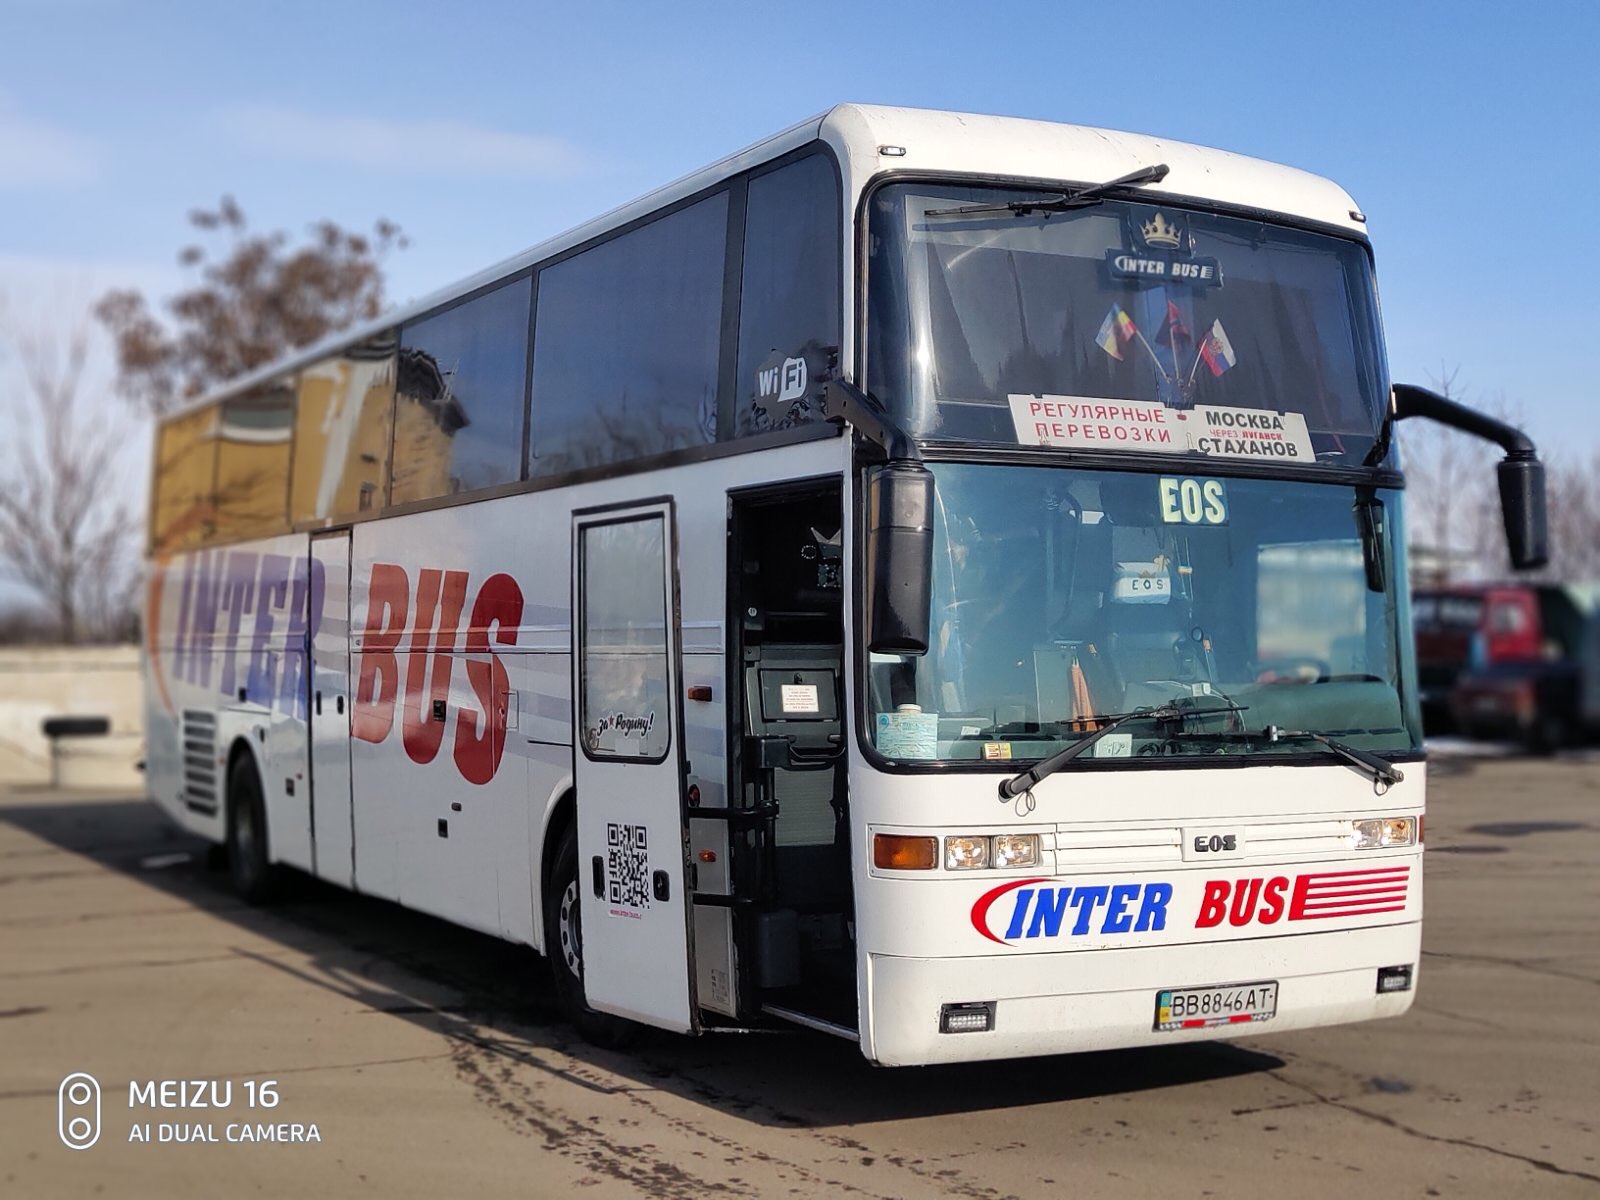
(1413, 401)
(843, 401)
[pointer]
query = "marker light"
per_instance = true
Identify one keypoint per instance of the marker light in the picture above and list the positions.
(1383, 833)
(902, 852)
(966, 852)
(1016, 850)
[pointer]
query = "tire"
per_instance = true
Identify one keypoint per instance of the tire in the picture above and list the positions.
(254, 877)
(563, 940)
(1550, 732)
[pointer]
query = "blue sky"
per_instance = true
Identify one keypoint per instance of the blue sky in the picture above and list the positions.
(1466, 131)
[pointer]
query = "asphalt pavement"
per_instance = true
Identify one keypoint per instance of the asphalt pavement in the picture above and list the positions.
(371, 1051)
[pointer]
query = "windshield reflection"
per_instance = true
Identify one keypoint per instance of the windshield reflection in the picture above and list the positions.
(1124, 301)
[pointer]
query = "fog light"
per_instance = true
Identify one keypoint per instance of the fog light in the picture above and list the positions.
(975, 1017)
(1016, 850)
(966, 852)
(1394, 979)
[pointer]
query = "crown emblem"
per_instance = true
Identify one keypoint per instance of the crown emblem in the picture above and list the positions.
(1158, 232)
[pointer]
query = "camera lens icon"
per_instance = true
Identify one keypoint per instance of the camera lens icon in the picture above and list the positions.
(78, 1111)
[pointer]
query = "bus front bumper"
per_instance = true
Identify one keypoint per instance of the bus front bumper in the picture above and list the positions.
(1057, 1003)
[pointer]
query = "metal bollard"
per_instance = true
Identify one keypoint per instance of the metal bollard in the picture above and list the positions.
(57, 728)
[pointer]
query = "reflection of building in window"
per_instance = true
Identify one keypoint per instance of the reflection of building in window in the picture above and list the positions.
(342, 432)
(254, 434)
(183, 511)
(427, 416)
(1310, 601)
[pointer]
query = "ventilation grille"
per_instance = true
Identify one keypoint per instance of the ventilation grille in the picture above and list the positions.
(200, 760)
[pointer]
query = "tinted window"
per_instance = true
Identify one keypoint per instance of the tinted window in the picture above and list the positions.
(461, 381)
(626, 344)
(789, 301)
(253, 436)
(342, 431)
(183, 515)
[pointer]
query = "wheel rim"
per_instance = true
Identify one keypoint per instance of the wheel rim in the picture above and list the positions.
(569, 931)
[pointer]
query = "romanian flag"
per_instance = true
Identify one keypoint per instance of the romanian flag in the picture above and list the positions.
(1117, 329)
(1217, 350)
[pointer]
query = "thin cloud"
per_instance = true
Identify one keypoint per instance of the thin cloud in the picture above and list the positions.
(434, 146)
(35, 154)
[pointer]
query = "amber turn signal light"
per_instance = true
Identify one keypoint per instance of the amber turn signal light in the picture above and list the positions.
(902, 852)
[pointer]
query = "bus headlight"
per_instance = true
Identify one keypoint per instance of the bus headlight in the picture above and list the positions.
(966, 852)
(1382, 833)
(975, 852)
(1016, 850)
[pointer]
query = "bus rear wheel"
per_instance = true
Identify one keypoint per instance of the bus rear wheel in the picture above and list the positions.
(563, 939)
(254, 877)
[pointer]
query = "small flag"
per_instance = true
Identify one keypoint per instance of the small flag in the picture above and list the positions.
(1106, 339)
(1115, 331)
(1217, 350)
(1174, 327)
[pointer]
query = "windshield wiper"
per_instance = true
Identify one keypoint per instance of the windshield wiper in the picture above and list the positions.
(1379, 770)
(1018, 784)
(1081, 198)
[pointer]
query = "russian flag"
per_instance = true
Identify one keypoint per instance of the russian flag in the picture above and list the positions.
(1217, 350)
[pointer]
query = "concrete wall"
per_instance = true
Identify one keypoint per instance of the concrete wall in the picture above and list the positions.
(56, 681)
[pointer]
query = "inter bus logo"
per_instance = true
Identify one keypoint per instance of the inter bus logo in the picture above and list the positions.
(1041, 909)
(244, 622)
(428, 621)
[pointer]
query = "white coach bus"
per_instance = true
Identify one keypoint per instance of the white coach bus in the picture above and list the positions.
(933, 578)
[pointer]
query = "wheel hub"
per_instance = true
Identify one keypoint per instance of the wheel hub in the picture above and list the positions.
(568, 930)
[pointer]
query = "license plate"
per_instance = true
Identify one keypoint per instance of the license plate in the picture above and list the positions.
(1201, 1008)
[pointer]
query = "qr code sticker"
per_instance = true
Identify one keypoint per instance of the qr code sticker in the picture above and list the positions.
(627, 866)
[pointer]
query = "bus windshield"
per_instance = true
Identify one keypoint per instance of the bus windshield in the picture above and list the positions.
(1122, 325)
(1062, 595)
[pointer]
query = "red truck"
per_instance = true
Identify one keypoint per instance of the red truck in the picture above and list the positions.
(1501, 661)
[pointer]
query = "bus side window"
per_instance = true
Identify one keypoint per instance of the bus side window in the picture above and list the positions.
(789, 299)
(183, 514)
(627, 339)
(461, 380)
(342, 431)
(253, 441)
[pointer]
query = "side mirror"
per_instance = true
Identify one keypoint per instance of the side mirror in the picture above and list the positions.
(899, 557)
(1522, 505)
(1520, 475)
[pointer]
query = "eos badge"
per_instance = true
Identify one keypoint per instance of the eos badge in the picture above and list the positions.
(1211, 844)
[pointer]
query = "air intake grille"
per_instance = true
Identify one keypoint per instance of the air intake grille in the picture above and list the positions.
(200, 760)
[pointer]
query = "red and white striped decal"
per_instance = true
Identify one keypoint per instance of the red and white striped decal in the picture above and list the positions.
(1350, 893)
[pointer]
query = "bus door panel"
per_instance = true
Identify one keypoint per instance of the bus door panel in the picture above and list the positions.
(332, 823)
(628, 765)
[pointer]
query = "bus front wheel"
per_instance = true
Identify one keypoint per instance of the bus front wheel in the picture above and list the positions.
(254, 877)
(563, 939)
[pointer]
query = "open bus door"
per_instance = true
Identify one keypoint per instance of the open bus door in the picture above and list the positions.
(629, 767)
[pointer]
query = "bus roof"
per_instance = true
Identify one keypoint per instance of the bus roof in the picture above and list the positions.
(1012, 148)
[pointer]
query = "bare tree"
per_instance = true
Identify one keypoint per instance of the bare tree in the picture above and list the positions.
(63, 531)
(255, 299)
(1573, 489)
(1452, 501)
